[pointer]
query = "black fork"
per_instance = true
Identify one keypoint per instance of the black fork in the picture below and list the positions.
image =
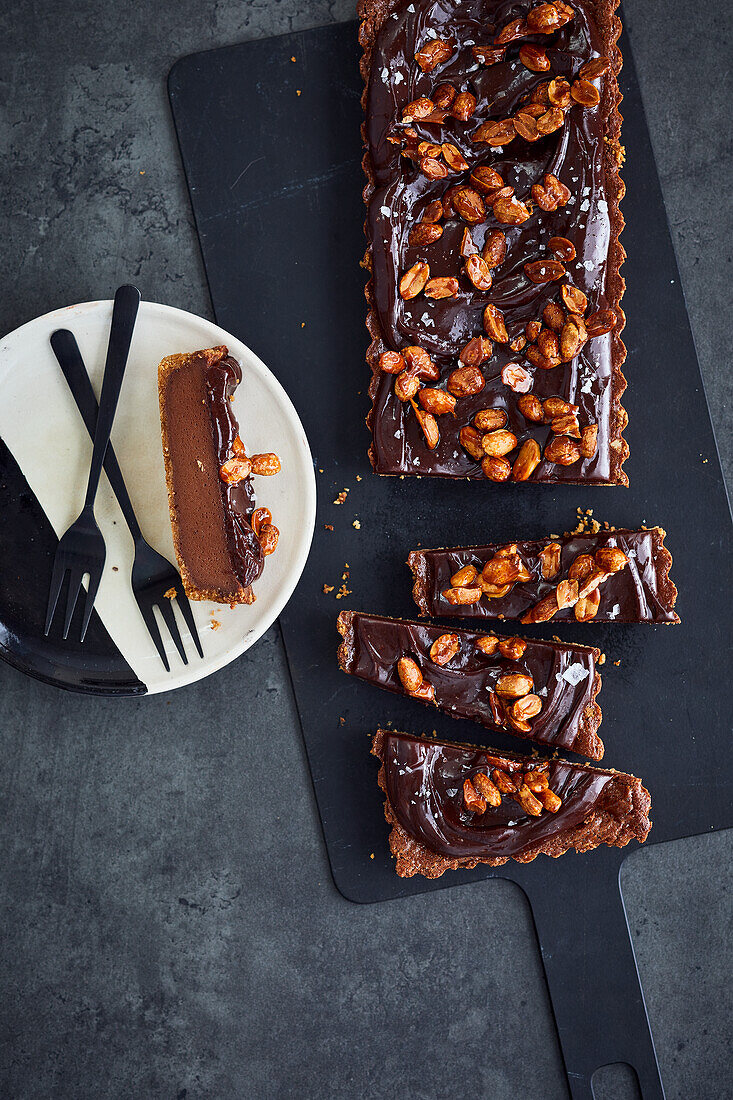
(152, 575)
(81, 550)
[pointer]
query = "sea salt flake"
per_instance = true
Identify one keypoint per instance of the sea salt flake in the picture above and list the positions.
(615, 610)
(398, 78)
(385, 210)
(603, 206)
(574, 674)
(588, 265)
(585, 205)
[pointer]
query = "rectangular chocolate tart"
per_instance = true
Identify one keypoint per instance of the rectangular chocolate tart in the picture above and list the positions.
(492, 158)
(541, 691)
(611, 576)
(454, 806)
(210, 491)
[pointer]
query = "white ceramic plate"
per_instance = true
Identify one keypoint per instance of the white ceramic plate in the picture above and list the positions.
(43, 430)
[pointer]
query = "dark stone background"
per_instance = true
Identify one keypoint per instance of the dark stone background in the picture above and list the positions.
(168, 930)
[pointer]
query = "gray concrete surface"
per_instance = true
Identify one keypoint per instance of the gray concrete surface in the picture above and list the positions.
(168, 931)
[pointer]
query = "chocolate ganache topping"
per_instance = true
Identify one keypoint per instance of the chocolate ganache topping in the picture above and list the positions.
(562, 677)
(424, 784)
(639, 591)
(247, 557)
(583, 154)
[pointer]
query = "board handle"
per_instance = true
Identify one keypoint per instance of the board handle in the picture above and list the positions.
(591, 972)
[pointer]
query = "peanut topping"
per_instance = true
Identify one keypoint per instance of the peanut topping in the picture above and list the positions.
(465, 381)
(512, 648)
(494, 324)
(486, 789)
(513, 685)
(488, 420)
(268, 538)
(266, 464)
(533, 58)
(499, 443)
(464, 577)
(409, 673)
(429, 426)
(527, 460)
(610, 559)
(443, 287)
(437, 402)
(462, 595)
(496, 469)
(470, 439)
(434, 53)
(472, 800)
(444, 648)
(479, 272)
(495, 246)
(550, 560)
(235, 469)
(414, 280)
(487, 644)
(425, 233)
(391, 362)
(478, 350)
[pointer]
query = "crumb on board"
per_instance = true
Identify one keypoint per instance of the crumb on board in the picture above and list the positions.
(200, 465)
(328, 526)
(341, 498)
(586, 524)
(328, 588)
(371, 855)
(617, 663)
(215, 624)
(342, 721)
(298, 91)
(292, 59)
(358, 477)
(302, 324)
(115, 569)
(356, 524)
(170, 594)
(602, 659)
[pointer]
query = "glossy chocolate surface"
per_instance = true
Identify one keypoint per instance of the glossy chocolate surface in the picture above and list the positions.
(640, 592)
(373, 645)
(245, 551)
(574, 153)
(424, 785)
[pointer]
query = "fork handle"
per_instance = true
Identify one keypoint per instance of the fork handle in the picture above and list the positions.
(127, 300)
(69, 358)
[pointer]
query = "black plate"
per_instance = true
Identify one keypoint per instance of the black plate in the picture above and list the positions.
(276, 190)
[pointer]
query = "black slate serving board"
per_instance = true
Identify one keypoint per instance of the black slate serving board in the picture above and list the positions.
(269, 132)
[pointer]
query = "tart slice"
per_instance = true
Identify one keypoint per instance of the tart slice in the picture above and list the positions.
(220, 536)
(609, 576)
(454, 806)
(540, 691)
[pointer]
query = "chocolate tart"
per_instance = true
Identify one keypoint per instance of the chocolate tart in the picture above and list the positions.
(460, 678)
(404, 151)
(430, 785)
(639, 591)
(219, 555)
